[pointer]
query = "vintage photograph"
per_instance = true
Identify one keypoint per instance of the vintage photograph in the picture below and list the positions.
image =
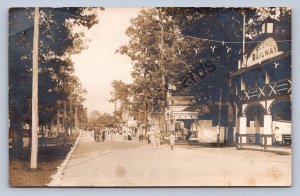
(150, 97)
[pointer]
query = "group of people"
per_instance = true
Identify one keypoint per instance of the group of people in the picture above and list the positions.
(100, 135)
(154, 138)
(184, 133)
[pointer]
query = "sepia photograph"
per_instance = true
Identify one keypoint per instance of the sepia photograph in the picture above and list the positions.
(150, 97)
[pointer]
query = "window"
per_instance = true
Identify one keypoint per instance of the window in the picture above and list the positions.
(253, 57)
(266, 52)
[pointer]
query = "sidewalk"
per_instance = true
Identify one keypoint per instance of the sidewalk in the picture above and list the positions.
(272, 149)
(277, 150)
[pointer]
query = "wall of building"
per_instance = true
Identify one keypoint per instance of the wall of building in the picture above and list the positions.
(206, 132)
(284, 127)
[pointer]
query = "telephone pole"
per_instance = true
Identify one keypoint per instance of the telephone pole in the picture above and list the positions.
(35, 118)
(163, 77)
(58, 116)
(219, 119)
(76, 120)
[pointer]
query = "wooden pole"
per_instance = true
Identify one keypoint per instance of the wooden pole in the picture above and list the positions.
(71, 117)
(219, 119)
(163, 77)
(64, 117)
(64, 121)
(76, 120)
(57, 119)
(35, 118)
(244, 21)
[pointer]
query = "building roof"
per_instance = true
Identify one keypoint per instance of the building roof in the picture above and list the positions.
(245, 69)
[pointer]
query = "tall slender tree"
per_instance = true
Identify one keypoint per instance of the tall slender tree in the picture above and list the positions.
(56, 70)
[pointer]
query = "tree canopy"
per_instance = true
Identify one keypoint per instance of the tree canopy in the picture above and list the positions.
(57, 81)
(194, 48)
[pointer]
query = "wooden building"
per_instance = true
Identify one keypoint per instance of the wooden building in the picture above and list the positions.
(261, 86)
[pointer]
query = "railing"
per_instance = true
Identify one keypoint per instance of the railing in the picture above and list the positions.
(262, 140)
(251, 139)
(278, 88)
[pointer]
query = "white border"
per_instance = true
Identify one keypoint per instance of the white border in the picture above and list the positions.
(5, 190)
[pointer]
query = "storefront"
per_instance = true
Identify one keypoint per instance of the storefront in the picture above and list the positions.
(262, 86)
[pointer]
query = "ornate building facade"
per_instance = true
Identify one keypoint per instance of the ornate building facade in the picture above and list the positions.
(261, 86)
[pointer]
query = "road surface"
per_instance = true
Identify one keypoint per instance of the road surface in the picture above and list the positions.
(131, 163)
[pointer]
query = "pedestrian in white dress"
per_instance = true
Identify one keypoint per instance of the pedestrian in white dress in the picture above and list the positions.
(152, 138)
(157, 139)
(111, 135)
(172, 141)
(278, 136)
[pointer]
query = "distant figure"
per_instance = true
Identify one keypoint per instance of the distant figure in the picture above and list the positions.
(94, 133)
(152, 138)
(185, 134)
(148, 136)
(143, 132)
(103, 136)
(112, 135)
(278, 136)
(129, 137)
(140, 133)
(157, 139)
(125, 137)
(172, 140)
(97, 135)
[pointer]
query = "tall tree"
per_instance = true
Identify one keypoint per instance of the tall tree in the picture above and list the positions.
(55, 68)
(153, 48)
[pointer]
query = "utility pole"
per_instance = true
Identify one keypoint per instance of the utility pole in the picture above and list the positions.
(219, 119)
(64, 116)
(244, 32)
(57, 119)
(244, 21)
(76, 120)
(35, 118)
(163, 77)
(71, 116)
(64, 121)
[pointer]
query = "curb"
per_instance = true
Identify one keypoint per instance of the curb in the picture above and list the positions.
(263, 150)
(57, 177)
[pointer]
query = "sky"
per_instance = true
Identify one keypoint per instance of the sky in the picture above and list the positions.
(99, 65)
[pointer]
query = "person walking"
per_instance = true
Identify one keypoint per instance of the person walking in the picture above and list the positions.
(94, 133)
(185, 133)
(140, 133)
(172, 140)
(103, 136)
(111, 135)
(152, 137)
(148, 137)
(143, 133)
(278, 137)
(157, 140)
(97, 133)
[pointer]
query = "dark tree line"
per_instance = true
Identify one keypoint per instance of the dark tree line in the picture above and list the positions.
(58, 84)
